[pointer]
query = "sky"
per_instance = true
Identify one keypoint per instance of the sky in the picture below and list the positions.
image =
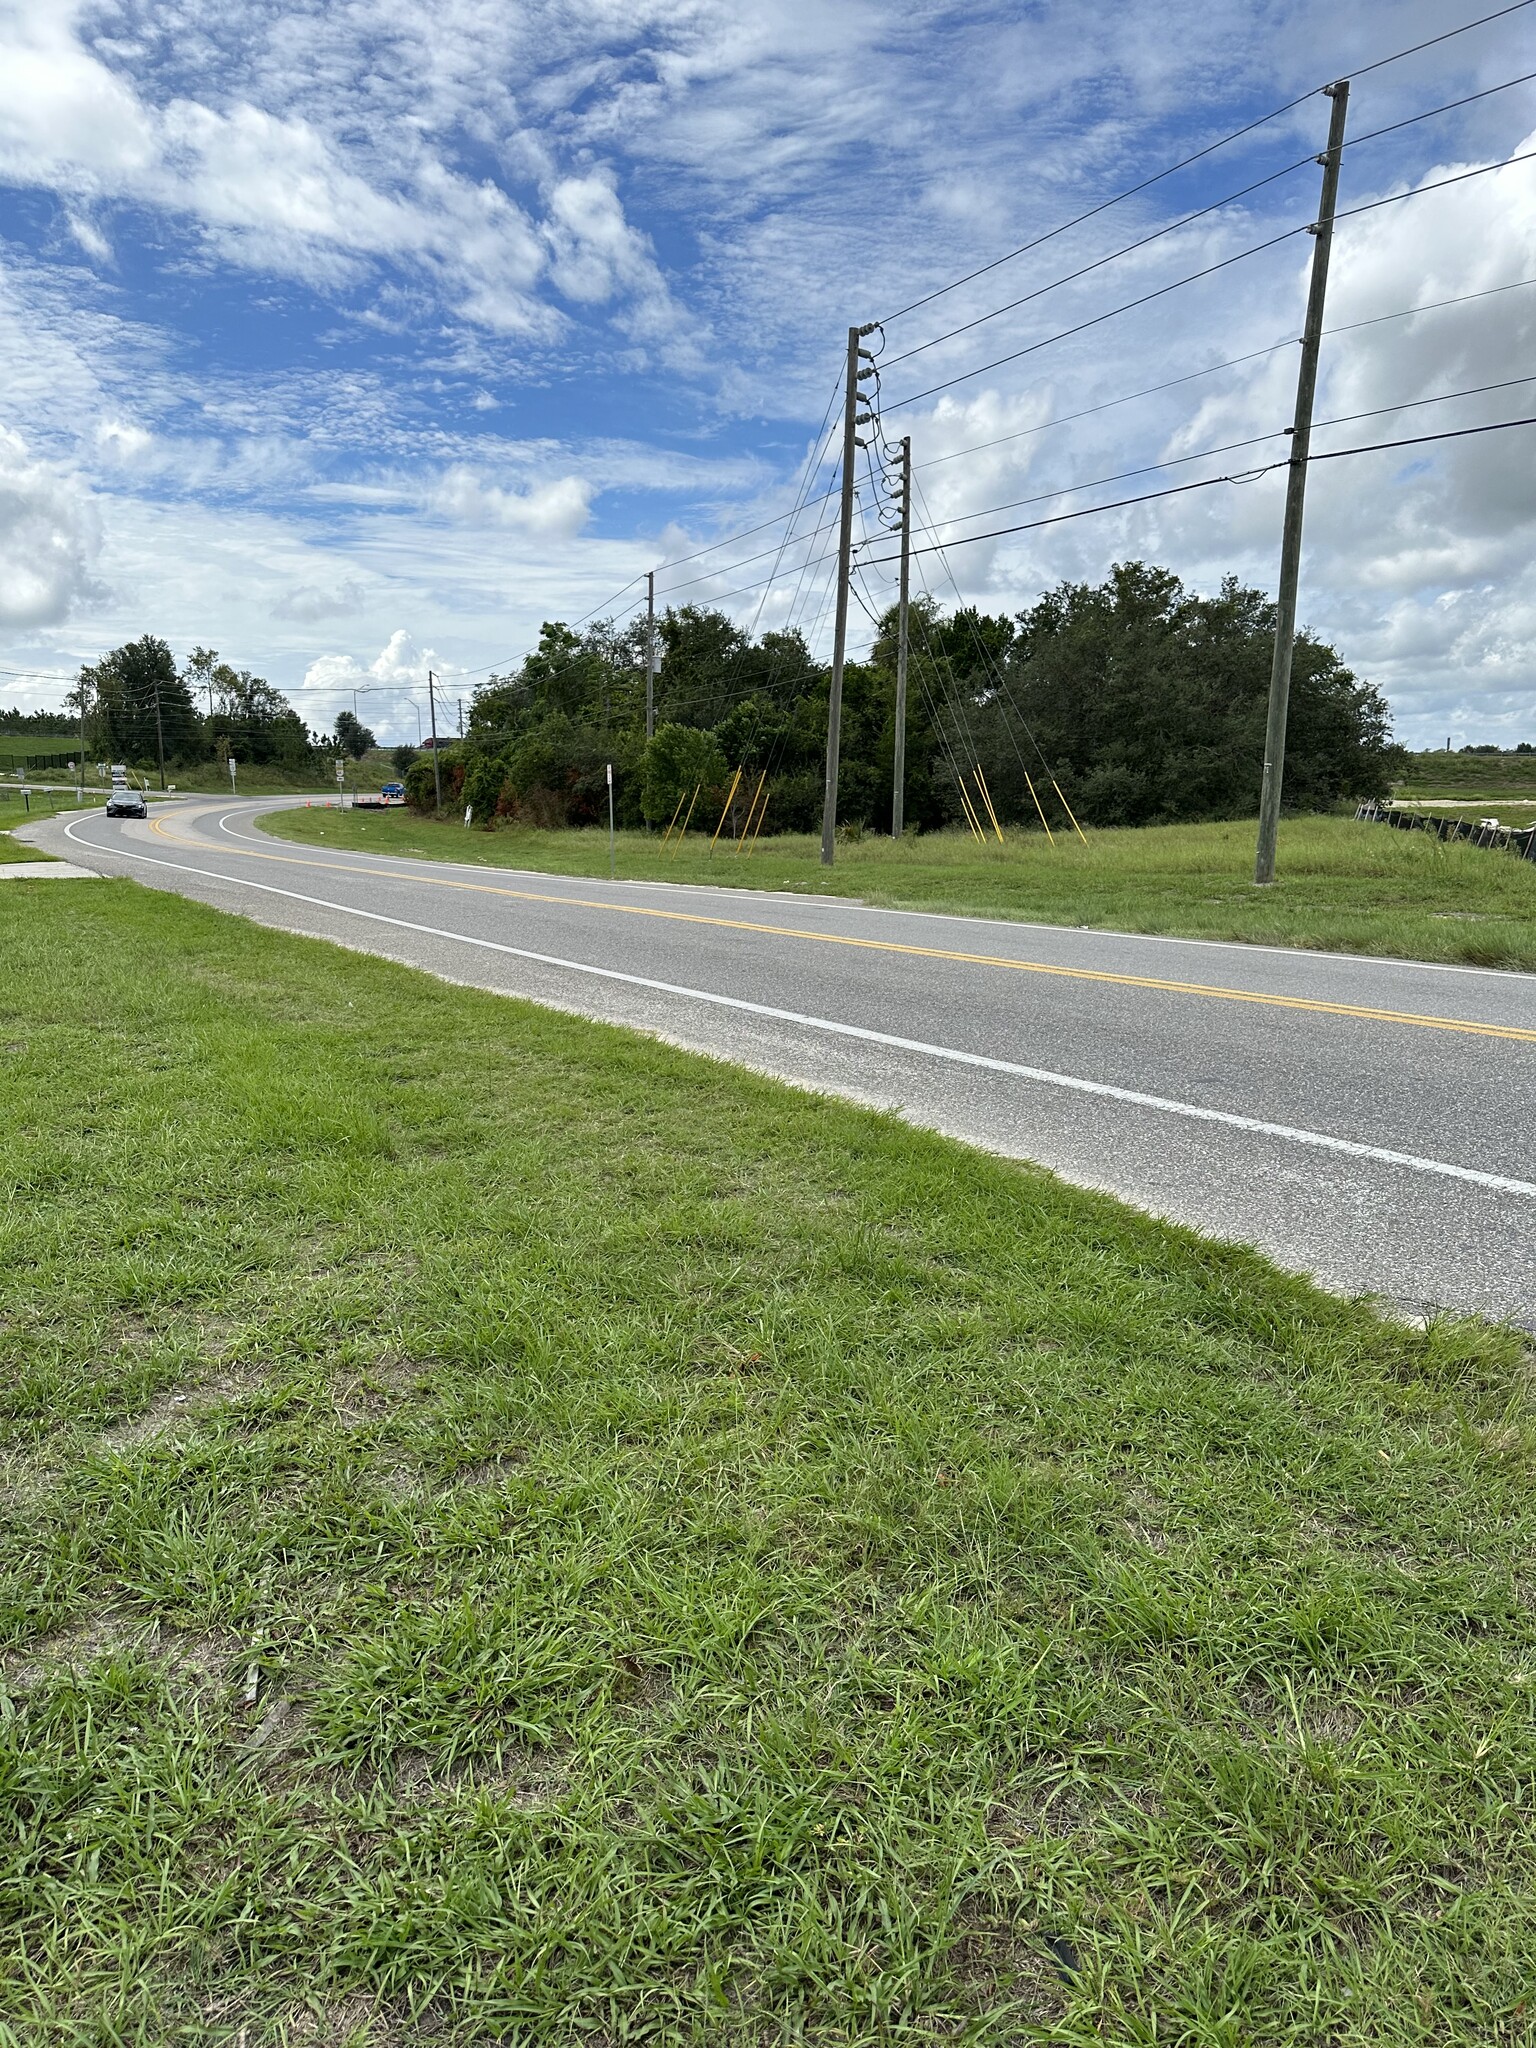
(354, 339)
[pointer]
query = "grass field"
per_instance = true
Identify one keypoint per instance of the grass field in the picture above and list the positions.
(514, 1532)
(1348, 887)
(1505, 774)
(19, 747)
(14, 812)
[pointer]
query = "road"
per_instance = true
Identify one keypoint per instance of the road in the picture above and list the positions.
(1370, 1122)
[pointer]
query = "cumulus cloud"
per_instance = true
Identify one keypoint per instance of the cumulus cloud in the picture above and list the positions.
(50, 536)
(554, 510)
(391, 689)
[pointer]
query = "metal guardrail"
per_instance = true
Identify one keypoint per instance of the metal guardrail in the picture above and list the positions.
(1520, 841)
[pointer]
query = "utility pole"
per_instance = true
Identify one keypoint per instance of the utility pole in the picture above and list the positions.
(461, 717)
(852, 419)
(650, 654)
(159, 734)
(899, 776)
(437, 772)
(1296, 494)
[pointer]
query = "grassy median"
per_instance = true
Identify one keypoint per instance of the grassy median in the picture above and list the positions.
(1341, 886)
(515, 1532)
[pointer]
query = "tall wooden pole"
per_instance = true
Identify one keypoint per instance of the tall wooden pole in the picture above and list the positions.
(840, 629)
(899, 766)
(159, 734)
(650, 654)
(437, 772)
(1296, 495)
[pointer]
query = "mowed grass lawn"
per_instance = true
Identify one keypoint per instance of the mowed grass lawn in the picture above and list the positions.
(1340, 886)
(515, 1532)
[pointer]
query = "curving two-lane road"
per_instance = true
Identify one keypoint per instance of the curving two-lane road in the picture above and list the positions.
(1370, 1122)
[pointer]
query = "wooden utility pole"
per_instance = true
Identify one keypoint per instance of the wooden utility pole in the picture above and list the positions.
(851, 421)
(899, 766)
(437, 772)
(650, 654)
(1296, 494)
(159, 734)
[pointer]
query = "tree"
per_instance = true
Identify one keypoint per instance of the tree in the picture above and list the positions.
(401, 759)
(1147, 704)
(247, 717)
(352, 736)
(679, 760)
(127, 689)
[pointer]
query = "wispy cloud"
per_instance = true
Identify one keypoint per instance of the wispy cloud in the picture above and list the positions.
(317, 320)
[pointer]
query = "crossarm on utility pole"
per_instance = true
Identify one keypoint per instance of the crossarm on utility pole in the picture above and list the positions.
(1296, 495)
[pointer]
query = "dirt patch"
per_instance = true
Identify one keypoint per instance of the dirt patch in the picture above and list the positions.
(179, 1410)
(203, 1661)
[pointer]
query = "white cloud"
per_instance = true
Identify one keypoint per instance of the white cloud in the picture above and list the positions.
(272, 191)
(306, 604)
(49, 538)
(489, 182)
(553, 510)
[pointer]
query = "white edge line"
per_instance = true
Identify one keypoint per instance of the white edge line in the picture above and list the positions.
(1321, 1140)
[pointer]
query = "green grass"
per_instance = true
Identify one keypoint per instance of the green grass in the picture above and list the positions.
(12, 851)
(19, 747)
(14, 812)
(1506, 774)
(515, 1532)
(1341, 886)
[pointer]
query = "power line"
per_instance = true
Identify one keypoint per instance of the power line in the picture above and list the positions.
(1188, 219)
(1194, 276)
(1099, 262)
(1130, 192)
(1228, 447)
(1211, 370)
(1205, 483)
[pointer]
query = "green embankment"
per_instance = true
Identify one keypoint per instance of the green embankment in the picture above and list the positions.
(1505, 774)
(1341, 886)
(514, 1532)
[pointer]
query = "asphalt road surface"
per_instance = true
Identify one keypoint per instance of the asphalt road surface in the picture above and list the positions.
(1370, 1122)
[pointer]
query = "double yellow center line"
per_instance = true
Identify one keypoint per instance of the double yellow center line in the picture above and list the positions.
(999, 960)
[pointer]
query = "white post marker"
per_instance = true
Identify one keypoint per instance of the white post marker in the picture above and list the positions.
(610, 822)
(233, 764)
(469, 812)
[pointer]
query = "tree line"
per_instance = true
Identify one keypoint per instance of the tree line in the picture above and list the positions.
(1134, 701)
(140, 708)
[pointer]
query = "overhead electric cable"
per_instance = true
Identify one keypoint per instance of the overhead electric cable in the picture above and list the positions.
(1205, 483)
(1130, 192)
(1228, 447)
(1194, 276)
(1188, 219)
(1231, 363)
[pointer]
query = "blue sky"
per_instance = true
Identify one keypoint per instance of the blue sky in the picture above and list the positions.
(354, 337)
